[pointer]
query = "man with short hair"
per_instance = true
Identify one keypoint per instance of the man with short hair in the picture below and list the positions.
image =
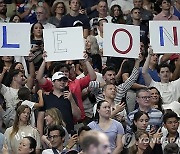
(74, 18)
(136, 20)
(171, 123)
(143, 98)
(145, 14)
(75, 86)
(109, 76)
(42, 16)
(102, 141)
(165, 14)
(62, 99)
(56, 136)
(102, 10)
(169, 90)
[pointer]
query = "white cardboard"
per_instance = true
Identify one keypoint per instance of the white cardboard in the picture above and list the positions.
(17, 33)
(122, 34)
(168, 37)
(64, 43)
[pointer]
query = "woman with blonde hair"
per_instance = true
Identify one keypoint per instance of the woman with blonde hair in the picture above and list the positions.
(53, 117)
(20, 129)
(92, 49)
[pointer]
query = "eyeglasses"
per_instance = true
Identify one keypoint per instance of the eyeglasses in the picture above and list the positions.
(145, 97)
(54, 137)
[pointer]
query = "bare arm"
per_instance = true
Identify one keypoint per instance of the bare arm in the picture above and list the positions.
(85, 33)
(41, 102)
(75, 109)
(90, 70)
(165, 57)
(118, 75)
(40, 122)
(176, 73)
(147, 77)
(119, 145)
(40, 73)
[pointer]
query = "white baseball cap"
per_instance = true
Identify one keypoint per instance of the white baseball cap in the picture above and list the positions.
(58, 75)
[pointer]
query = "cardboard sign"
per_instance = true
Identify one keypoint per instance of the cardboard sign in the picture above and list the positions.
(64, 43)
(164, 36)
(121, 40)
(14, 39)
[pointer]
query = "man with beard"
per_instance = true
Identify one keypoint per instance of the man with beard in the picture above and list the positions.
(3, 10)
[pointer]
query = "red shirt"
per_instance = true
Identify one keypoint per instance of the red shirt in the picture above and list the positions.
(75, 87)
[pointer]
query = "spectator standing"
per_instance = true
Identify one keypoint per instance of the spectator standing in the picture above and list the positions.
(166, 11)
(74, 18)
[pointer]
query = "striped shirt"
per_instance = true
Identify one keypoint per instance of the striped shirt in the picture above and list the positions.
(154, 115)
(121, 89)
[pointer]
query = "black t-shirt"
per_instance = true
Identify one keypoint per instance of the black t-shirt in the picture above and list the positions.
(63, 105)
(72, 21)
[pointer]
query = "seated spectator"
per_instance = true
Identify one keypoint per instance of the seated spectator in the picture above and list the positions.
(24, 95)
(27, 145)
(140, 123)
(166, 11)
(156, 100)
(104, 144)
(143, 98)
(126, 6)
(112, 128)
(3, 11)
(42, 16)
(15, 18)
(58, 11)
(21, 128)
(169, 90)
(171, 148)
(37, 43)
(117, 14)
(102, 10)
(171, 123)
(53, 117)
(6, 62)
(176, 9)
(56, 136)
(93, 52)
(144, 144)
(145, 14)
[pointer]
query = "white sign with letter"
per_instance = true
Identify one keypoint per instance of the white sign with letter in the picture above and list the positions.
(15, 39)
(64, 43)
(121, 40)
(164, 36)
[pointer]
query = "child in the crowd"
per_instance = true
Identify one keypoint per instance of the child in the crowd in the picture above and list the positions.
(24, 95)
(171, 123)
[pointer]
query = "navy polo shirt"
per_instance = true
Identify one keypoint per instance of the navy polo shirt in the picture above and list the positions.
(63, 105)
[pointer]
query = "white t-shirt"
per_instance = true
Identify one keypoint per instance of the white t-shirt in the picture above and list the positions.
(169, 91)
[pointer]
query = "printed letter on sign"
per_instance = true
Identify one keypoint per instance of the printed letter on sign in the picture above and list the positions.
(130, 38)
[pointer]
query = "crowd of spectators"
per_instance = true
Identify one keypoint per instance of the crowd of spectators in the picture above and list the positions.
(98, 105)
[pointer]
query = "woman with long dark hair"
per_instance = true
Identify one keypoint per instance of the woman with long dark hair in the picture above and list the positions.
(117, 15)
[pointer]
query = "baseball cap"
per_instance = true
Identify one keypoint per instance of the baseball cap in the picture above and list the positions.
(58, 75)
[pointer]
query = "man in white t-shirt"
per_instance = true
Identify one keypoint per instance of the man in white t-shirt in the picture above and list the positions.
(169, 90)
